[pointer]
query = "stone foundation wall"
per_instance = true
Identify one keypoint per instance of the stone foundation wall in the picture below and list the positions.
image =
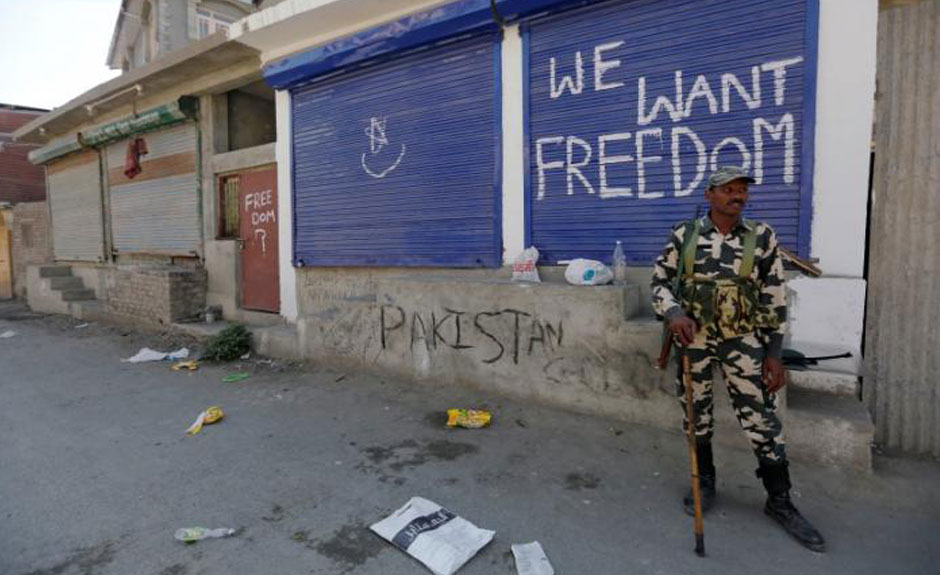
(31, 245)
(157, 296)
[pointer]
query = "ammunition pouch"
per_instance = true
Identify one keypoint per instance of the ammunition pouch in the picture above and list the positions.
(732, 305)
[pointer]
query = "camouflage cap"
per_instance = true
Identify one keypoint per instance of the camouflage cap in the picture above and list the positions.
(726, 174)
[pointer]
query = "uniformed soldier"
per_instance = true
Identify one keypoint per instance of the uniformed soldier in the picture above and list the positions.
(719, 285)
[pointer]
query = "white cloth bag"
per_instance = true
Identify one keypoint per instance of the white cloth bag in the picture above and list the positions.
(436, 537)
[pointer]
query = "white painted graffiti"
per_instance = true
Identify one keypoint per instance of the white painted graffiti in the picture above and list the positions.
(378, 140)
(260, 206)
(587, 165)
(258, 218)
(263, 235)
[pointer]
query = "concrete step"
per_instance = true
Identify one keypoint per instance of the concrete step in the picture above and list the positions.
(828, 428)
(66, 283)
(277, 341)
(54, 271)
(78, 294)
(201, 330)
(254, 319)
(832, 382)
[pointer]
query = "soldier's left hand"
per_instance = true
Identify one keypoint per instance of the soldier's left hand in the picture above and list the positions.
(773, 374)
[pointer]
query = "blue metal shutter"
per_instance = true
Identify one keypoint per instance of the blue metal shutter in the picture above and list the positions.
(623, 46)
(398, 163)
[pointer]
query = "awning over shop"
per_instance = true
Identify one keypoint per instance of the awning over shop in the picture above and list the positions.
(159, 117)
(422, 28)
(55, 149)
(148, 120)
(414, 30)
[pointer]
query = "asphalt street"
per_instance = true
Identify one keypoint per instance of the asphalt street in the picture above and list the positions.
(96, 474)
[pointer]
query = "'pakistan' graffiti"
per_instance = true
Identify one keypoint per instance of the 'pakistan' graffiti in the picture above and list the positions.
(503, 334)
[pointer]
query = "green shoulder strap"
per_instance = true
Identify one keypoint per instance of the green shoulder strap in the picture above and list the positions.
(747, 258)
(689, 243)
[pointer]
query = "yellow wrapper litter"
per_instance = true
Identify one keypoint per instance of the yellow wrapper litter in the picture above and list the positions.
(470, 418)
(191, 365)
(207, 417)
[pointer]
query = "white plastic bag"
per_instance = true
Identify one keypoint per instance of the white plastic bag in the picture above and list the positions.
(146, 354)
(436, 537)
(523, 268)
(582, 272)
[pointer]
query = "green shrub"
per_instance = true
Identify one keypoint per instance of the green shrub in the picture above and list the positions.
(230, 343)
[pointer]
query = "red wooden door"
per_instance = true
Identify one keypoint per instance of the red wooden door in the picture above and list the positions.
(258, 230)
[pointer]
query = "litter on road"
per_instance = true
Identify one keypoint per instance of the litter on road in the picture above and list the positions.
(235, 377)
(469, 418)
(147, 354)
(207, 417)
(7, 334)
(193, 534)
(531, 559)
(433, 535)
(191, 365)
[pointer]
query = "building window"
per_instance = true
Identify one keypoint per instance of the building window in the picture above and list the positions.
(209, 22)
(228, 207)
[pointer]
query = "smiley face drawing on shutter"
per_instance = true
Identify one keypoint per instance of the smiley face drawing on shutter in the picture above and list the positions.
(378, 140)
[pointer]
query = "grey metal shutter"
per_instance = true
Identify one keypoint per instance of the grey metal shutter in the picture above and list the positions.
(158, 210)
(397, 163)
(732, 81)
(75, 203)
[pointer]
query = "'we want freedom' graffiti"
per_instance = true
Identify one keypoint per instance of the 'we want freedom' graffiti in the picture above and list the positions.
(665, 114)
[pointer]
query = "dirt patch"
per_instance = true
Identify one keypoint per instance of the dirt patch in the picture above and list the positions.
(83, 561)
(436, 419)
(409, 453)
(178, 569)
(348, 547)
(579, 481)
(388, 460)
(277, 514)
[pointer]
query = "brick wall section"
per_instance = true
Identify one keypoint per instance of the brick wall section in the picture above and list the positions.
(157, 296)
(31, 244)
(20, 181)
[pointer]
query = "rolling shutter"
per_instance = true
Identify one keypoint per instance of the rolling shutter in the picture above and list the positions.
(75, 203)
(397, 163)
(632, 104)
(158, 210)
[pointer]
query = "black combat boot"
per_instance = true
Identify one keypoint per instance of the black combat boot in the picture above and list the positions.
(706, 478)
(776, 478)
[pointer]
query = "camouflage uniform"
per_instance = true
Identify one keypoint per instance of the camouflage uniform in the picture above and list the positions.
(737, 329)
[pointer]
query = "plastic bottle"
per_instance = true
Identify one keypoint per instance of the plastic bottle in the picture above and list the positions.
(619, 265)
(193, 534)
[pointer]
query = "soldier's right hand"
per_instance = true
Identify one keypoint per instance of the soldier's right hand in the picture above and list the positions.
(683, 328)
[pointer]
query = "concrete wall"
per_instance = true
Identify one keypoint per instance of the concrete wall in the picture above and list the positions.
(31, 245)
(251, 121)
(903, 391)
(548, 342)
(177, 24)
(285, 211)
(844, 114)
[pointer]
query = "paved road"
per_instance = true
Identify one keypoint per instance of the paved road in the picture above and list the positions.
(96, 474)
